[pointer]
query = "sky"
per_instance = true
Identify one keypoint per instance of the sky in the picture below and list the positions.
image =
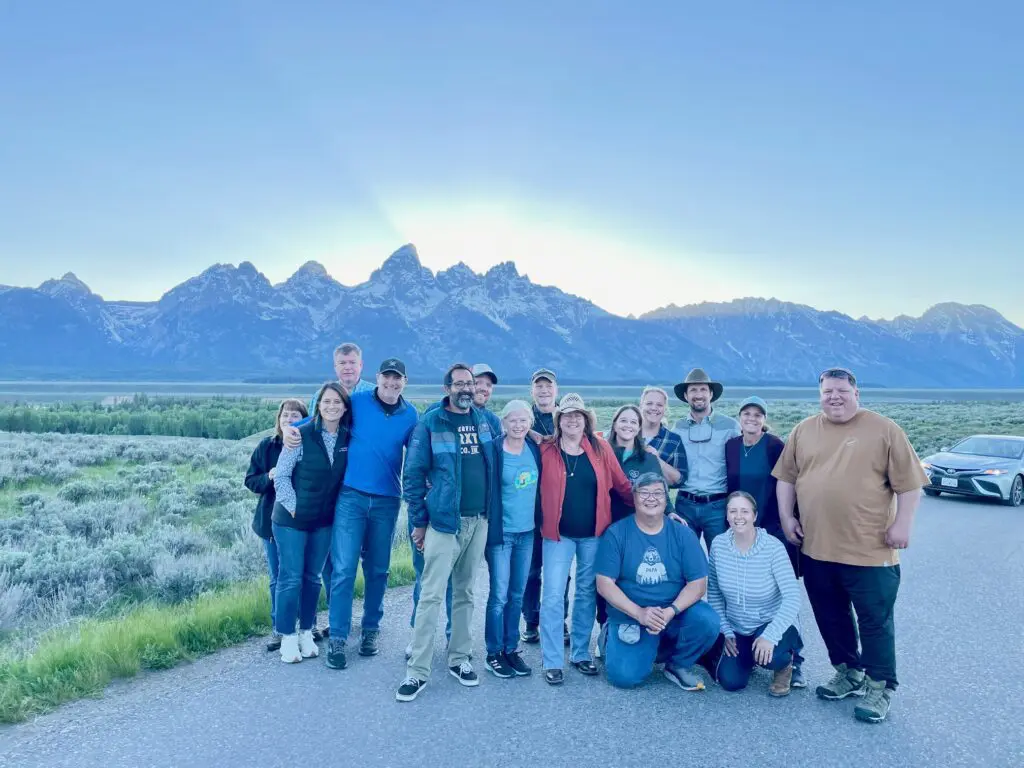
(864, 157)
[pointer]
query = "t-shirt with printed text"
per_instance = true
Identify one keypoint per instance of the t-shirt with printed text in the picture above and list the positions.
(473, 493)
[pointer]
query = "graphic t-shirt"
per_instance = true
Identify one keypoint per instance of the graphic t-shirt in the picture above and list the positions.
(518, 491)
(651, 569)
(473, 495)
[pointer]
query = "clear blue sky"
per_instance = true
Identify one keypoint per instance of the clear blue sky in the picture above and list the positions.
(866, 157)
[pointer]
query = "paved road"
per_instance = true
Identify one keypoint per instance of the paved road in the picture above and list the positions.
(959, 642)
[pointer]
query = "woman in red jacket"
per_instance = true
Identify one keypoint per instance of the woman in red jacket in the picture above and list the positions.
(579, 472)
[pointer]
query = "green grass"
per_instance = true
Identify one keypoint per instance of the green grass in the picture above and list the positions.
(75, 663)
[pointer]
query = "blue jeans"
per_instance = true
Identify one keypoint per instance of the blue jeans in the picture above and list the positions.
(558, 557)
(734, 671)
(301, 557)
(362, 523)
(708, 518)
(417, 566)
(531, 597)
(508, 564)
(687, 637)
(273, 567)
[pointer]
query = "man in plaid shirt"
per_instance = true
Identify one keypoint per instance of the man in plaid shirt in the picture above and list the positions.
(661, 441)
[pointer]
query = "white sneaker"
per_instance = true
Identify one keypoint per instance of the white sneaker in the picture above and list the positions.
(307, 646)
(290, 649)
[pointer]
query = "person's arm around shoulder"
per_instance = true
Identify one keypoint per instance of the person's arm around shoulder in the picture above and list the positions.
(418, 459)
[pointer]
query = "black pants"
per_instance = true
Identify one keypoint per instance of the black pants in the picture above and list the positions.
(837, 590)
(531, 597)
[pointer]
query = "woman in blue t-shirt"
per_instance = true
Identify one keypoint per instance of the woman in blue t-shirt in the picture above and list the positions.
(510, 540)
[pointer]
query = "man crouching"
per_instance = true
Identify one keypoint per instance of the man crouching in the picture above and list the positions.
(653, 573)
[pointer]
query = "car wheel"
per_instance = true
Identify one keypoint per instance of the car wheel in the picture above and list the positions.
(1016, 497)
(932, 492)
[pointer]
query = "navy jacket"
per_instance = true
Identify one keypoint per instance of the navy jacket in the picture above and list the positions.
(264, 459)
(496, 523)
(432, 473)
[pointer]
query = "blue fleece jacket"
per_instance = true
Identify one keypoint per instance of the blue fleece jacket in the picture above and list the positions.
(375, 449)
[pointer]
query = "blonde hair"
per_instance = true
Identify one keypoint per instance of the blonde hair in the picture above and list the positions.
(657, 390)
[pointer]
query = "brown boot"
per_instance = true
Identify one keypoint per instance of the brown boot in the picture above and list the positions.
(781, 682)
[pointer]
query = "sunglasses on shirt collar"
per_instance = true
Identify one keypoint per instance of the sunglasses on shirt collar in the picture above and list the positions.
(700, 433)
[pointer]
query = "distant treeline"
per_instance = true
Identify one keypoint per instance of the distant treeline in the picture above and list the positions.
(229, 418)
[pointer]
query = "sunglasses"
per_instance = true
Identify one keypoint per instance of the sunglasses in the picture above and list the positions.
(700, 433)
(837, 373)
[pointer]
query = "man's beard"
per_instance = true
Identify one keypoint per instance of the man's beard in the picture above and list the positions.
(463, 400)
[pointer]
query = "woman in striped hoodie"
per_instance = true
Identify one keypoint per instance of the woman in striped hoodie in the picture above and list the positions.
(752, 587)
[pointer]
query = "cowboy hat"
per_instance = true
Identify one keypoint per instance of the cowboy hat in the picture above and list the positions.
(571, 402)
(698, 376)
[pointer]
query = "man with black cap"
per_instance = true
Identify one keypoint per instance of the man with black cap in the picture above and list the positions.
(367, 507)
(544, 390)
(701, 500)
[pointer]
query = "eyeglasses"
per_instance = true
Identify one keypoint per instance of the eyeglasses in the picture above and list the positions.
(462, 385)
(649, 495)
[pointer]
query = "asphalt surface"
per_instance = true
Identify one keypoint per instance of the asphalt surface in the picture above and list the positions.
(959, 643)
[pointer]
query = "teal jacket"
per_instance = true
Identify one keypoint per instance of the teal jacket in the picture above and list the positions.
(432, 474)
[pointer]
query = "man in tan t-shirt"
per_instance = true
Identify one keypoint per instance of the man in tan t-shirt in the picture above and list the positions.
(857, 481)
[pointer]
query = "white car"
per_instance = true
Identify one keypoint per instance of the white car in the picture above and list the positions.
(985, 466)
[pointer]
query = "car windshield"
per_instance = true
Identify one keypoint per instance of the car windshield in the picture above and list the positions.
(995, 447)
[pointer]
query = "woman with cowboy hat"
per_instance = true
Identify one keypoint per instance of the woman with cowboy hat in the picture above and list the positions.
(701, 500)
(578, 472)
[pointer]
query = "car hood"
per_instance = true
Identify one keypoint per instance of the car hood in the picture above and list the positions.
(967, 461)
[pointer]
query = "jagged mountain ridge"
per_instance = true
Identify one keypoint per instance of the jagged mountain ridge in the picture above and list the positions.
(232, 322)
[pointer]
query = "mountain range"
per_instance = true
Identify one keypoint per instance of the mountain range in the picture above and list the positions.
(232, 323)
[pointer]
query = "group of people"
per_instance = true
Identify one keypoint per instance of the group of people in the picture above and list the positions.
(538, 488)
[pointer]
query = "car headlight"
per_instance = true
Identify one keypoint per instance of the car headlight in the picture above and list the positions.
(995, 472)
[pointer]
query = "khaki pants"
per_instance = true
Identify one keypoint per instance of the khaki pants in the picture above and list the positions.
(444, 555)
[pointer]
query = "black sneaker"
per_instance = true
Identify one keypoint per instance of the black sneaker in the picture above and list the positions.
(515, 662)
(496, 663)
(464, 674)
(530, 635)
(410, 689)
(274, 643)
(336, 655)
(368, 646)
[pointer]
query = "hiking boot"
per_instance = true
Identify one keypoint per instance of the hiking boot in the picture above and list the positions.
(530, 635)
(464, 674)
(782, 681)
(290, 649)
(686, 679)
(274, 643)
(410, 689)
(336, 655)
(496, 663)
(875, 705)
(307, 646)
(845, 682)
(516, 664)
(368, 646)
(798, 678)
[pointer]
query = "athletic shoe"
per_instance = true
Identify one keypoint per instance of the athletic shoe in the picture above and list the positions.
(368, 646)
(516, 664)
(530, 635)
(798, 678)
(845, 682)
(410, 689)
(686, 679)
(290, 649)
(307, 645)
(336, 655)
(496, 663)
(464, 674)
(875, 706)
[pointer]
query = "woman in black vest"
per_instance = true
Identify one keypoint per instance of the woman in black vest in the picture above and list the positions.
(307, 481)
(260, 479)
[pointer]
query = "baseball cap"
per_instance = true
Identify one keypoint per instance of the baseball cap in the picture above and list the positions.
(392, 365)
(481, 368)
(543, 373)
(755, 401)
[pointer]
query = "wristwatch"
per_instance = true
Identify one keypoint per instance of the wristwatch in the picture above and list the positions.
(675, 610)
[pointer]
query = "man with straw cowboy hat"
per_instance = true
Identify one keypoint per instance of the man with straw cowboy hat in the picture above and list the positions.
(701, 500)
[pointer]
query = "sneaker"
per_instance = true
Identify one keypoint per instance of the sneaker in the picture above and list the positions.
(782, 681)
(408, 651)
(290, 649)
(684, 678)
(368, 646)
(875, 706)
(496, 663)
(798, 678)
(274, 643)
(516, 664)
(845, 682)
(317, 635)
(464, 674)
(530, 635)
(410, 689)
(336, 655)
(307, 645)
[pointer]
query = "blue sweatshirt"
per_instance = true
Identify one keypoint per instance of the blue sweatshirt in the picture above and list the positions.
(377, 444)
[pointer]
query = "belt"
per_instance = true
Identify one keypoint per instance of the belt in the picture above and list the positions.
(702, 499)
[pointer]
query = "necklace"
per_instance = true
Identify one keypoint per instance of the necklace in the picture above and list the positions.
(565, 458)
(748, 449)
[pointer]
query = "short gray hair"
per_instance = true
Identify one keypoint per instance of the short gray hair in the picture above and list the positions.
(651, 478)
(347, 349)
